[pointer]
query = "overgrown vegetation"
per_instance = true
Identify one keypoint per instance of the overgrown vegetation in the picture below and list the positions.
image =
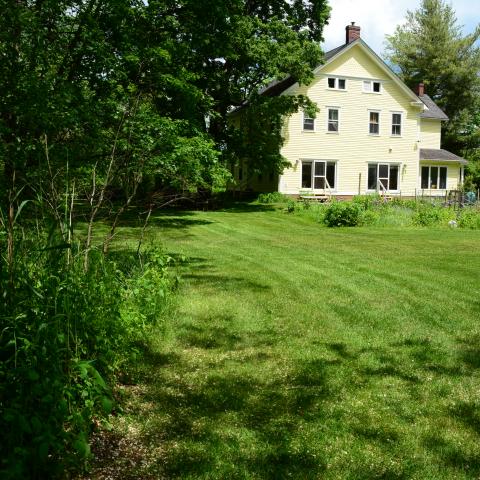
(66, 335)
(273, 197)
(372, 210)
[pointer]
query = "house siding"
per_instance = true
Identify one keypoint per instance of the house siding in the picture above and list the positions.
(430, 133)
(353, 148)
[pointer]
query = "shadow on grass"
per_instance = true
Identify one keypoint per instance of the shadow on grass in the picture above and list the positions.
(225, 282)
(470, 351)
(235, 425)
(244, 207)
(452, 455)
(209, 337)
(176, 222)
(228, 419)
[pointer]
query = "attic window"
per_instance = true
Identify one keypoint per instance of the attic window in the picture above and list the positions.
(372, 87)
(337, 83)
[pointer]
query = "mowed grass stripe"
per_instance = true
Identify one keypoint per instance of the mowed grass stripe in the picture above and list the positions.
(297, 351)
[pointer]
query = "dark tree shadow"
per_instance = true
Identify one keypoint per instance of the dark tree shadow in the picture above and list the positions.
(271, 410)
(470, 351)
(225, 282)
(244, 207)
(451, 455)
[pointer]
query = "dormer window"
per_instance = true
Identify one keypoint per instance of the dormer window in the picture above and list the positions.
(370, 86)
(336, 83)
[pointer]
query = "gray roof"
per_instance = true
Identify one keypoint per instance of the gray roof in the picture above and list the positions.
(278, 86)
(434, 111)
(440, 155)
(332, 53)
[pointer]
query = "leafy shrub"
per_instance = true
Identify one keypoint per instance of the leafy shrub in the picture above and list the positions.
(369, 217)
(430, 215)
(273, 197)
(343, 214)
(290, 206)
(367, 201)
(469, 218)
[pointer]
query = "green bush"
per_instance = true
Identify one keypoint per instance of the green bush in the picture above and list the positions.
(368, 201)
(430, 215)
(273, 197)
(291, 206)
(343, 214)
(369, 217)
(469, 218)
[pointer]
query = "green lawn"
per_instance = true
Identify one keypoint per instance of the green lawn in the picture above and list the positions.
(297, 351)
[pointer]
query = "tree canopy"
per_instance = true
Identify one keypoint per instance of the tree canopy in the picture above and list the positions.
(430, 48)
(77, 75)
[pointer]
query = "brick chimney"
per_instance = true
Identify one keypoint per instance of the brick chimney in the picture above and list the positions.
(420, 89)
(353, 32)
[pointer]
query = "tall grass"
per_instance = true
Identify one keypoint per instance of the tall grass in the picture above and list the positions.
(65, 333)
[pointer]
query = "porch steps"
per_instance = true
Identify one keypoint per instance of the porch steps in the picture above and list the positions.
(316, 198)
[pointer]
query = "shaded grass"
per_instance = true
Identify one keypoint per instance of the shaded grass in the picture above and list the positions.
(303, 352)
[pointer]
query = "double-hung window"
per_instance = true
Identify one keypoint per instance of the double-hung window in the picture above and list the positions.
(374, 123)
(308, 123)
(383, 177)
(318, 174)
(333, 120)
(434, 178)
(396, 124)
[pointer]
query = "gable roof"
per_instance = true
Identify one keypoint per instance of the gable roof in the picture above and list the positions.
(432, 110)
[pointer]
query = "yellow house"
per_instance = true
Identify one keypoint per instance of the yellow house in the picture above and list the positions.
(371, 133)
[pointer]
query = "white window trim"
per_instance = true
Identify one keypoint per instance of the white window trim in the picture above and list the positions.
(335, 88)
(379, 122)
(370, 90)
(314, 124)
(390, 164)
(401, 124)
(312, 161)
(430, 177)
(328, 119)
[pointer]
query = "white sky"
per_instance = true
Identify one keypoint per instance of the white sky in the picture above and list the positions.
(380, 17)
